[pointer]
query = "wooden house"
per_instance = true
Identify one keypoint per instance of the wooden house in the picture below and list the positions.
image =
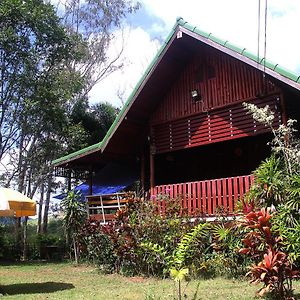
(184, 125)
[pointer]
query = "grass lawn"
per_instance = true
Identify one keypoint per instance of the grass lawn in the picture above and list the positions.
(66, 281)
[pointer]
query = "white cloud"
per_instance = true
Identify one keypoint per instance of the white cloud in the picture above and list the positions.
(232, 20)
(237, 21)
(139, 49)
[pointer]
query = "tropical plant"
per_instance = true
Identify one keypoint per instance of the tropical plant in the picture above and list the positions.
(287, 224)
(75, 215)
(276, 273)
(95, 246)
(178, 276)
(272, 266)
(277, 180)
(144, 237)
(270, 183)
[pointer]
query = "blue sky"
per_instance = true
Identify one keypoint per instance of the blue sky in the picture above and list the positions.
(233, 20)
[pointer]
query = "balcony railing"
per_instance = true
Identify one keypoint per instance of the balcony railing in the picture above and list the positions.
(206, 197)
(104, 207)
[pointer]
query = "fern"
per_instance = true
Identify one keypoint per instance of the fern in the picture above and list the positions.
(184, 247)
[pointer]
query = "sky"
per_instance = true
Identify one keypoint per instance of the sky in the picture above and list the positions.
(232, 20)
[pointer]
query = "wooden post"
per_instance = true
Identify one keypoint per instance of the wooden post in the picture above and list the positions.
(69, 179)
(90, 182)
(152, 168)
(142, 178)
(283, 109)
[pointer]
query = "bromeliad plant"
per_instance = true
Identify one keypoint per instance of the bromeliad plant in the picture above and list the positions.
(272, 267)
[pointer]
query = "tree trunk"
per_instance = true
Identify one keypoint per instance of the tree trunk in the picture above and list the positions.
(25, 238)
(47, 203)
(75, 250)
(179, 290)
(18, 237)
(21, 167)
(41, 203)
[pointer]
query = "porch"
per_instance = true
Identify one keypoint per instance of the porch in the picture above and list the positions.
(204, 198)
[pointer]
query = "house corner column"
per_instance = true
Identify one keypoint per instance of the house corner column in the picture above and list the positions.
(142, 175)
(152, 168)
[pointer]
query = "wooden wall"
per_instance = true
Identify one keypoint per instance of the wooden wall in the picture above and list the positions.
(220, 80)
(217, 125)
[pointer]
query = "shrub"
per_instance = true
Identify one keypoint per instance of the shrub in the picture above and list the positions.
(95, 246)
(143, 238)
(264, 246)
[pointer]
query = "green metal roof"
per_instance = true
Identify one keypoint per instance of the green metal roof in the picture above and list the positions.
(180, 24)
(77, 154)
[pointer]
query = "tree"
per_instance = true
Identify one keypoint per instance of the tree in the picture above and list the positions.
(96, 21)
(33, 47)
(95, 119)
(36, 87)
(36, 92)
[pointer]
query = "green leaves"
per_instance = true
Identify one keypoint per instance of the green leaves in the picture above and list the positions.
(184, 249)
(75, 212)
(179, 275)
(269, 187)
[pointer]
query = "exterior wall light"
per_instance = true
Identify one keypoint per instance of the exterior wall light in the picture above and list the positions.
(195, 95)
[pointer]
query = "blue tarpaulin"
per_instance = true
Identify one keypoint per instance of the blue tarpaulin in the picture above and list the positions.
(111, 179)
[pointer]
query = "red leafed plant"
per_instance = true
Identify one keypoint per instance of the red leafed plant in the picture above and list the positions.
(272, 267)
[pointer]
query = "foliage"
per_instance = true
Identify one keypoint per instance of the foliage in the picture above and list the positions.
(34, 48)
(288, 227)
(95, 119)
(221, 257)
(36, 243)
(144, 238)
(277, 181)
(74, 216)
(270, 182)
(95, 246)
(186, 247)
(285, 142)
(263, 244)
(37, 92)
(147, 241)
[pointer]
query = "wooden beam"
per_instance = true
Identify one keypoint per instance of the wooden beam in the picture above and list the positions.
(142, 175)
(152, 167)
(69, 179)
(283, 109)
(90, 182)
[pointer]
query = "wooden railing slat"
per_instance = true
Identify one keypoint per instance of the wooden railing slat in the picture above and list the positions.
(224, 194)
(230, 196)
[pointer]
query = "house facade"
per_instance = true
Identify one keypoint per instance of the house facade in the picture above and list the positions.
(184, 126)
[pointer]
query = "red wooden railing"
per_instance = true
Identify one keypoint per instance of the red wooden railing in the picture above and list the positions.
(205, 197)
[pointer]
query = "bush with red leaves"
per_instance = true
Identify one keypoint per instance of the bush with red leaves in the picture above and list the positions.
(272, 267)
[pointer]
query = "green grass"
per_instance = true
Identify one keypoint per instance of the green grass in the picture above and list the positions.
(66, 281)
